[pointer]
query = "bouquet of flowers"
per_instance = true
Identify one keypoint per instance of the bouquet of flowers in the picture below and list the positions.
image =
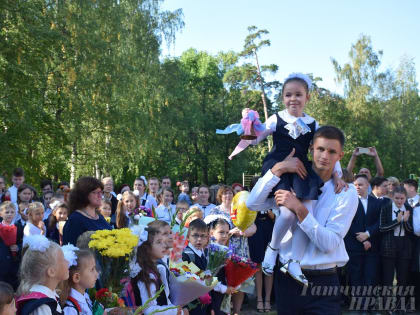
(188, 283)
(114, 249)
(218, 255)
(239, 269)
(139, 212)
(178, 246)
(8, 234)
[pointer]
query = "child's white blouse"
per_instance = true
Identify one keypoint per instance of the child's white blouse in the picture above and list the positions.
(83, 300)
(145, 295)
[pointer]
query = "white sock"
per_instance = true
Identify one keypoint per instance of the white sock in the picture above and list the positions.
(299, 243)
(282, 224)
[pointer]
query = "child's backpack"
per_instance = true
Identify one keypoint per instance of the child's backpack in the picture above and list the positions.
(26, 304)
(72, 302)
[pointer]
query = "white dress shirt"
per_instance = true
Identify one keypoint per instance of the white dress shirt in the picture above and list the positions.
(165, 213)
(84, 302)
(153, 304)
(416, 220)
(45, 309)
(326, 227)
(205, 208)
(399, 229)
(413, 201)
(149, 201)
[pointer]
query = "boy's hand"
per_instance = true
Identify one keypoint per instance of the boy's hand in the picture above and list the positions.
(406, 216)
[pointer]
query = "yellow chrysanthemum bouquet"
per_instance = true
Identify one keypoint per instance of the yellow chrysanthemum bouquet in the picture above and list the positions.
(114, 249)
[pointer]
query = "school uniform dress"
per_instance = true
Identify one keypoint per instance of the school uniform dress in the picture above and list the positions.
(165, 213)
(364, 266)
(260, 240)
(206, 209)
(163, 300)
(199, 258)
(326, 228)
(396, 246)
(82, 300)
(283, 143)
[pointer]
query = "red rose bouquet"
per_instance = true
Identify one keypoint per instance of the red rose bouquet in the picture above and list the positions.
(239, 269)
(8, 233)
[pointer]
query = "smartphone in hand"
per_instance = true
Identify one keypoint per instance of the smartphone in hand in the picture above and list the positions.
(364, 150)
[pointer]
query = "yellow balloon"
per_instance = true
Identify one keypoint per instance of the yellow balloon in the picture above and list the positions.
(241, 216)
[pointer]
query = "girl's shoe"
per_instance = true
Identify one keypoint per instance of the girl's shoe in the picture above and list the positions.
(269, 262)
(292, 267)
(260, 309)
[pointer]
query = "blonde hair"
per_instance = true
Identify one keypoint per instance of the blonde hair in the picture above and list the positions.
(7, 205)
(34, 266)
(34, 206)
(192, 214)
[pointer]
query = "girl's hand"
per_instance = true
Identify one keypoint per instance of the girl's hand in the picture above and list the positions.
(230, 290)
(406, 216)
(235, 231)
(339, 184)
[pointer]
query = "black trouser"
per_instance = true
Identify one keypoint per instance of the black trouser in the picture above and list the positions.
(401, 262)
(293, 299)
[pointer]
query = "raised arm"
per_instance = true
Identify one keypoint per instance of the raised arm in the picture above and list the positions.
(353, 160)
(377, 160)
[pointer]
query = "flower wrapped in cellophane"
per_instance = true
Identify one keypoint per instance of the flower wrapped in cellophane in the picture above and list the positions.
(114, 249)
(218, 256)
(239, 269)
(188, 282)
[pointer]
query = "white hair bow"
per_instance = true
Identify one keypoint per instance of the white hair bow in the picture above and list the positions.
(301, 76)
(36, 242)
(69, 252)
(144, 179)
(144, 235)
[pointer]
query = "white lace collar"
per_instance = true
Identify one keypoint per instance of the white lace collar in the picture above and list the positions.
(284, 114)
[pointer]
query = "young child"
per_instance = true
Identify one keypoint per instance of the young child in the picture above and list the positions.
(9, 245)
(82, 276)
(152, 275)
(293, 131)
(56, 222)
(43, 267)
(219, 234)
(166, 210)
(181, 208)
(194, 194)
(192, 214)
(47, 204)
(106, 209)
(126, 205)
(203, 200)
(184, 187)
(35, 224)
(195, 252)
(7, 299)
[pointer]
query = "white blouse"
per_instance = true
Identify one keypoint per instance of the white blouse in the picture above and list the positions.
(84, 302)
(165, 213)
(145, 295)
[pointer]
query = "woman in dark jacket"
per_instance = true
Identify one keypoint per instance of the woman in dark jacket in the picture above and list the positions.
(396, 225)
